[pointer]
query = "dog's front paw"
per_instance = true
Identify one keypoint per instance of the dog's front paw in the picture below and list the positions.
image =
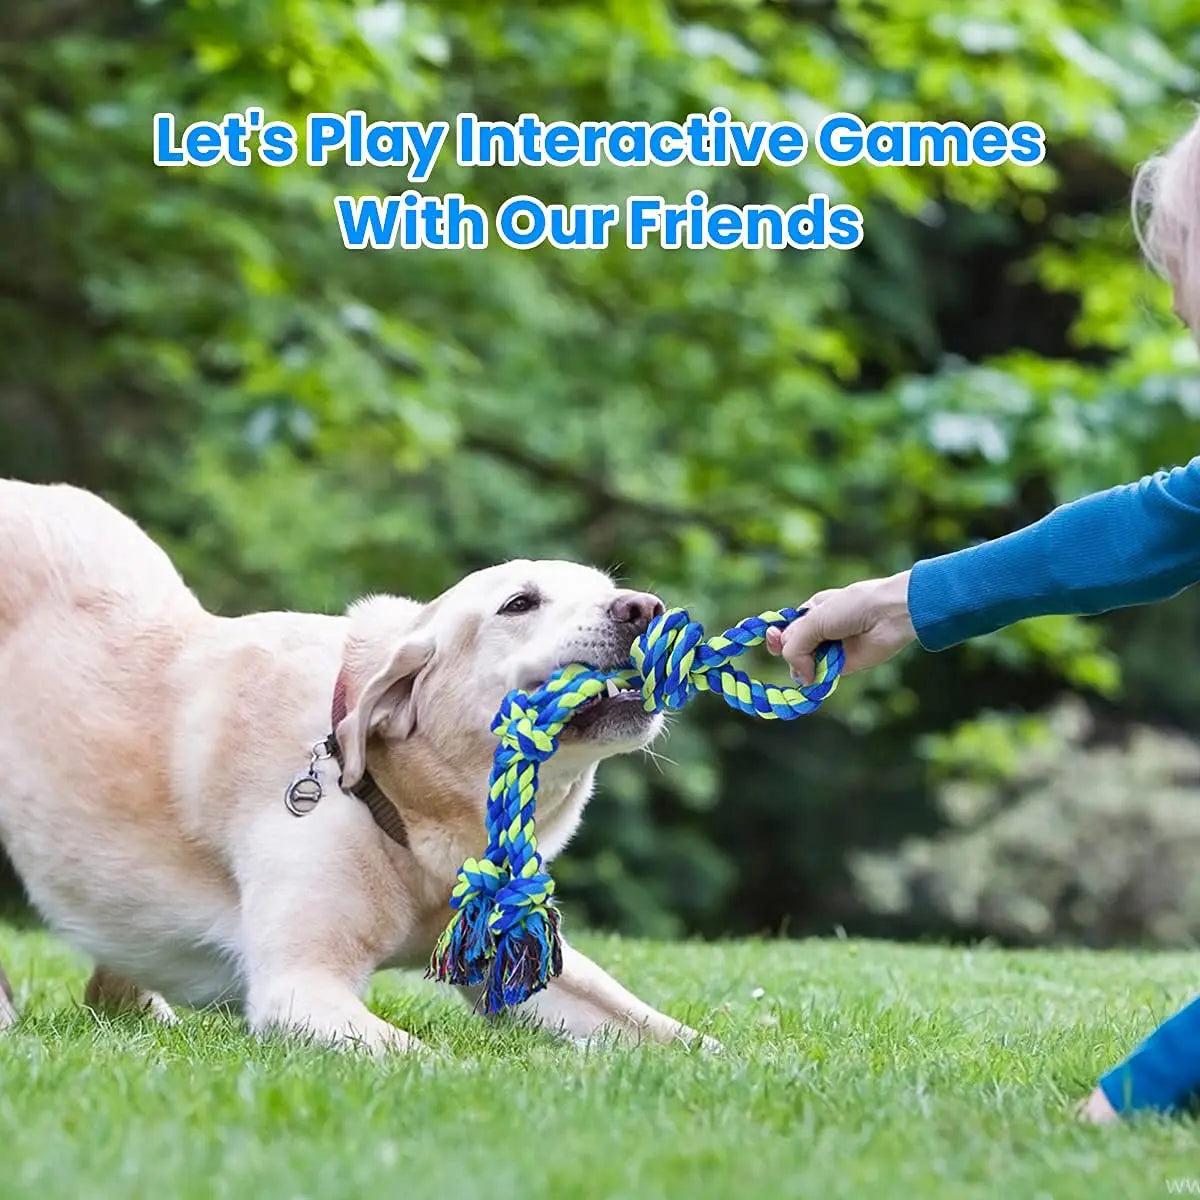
(378, 1037)
(661, 1030)
(327, 1013)
(366, 1033)
(695, 1040)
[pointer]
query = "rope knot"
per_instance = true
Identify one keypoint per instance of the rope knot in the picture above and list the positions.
(664, 656)
(518, 898)
(476, 877)
(516, 726)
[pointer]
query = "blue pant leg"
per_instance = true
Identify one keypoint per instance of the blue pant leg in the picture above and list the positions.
(1163, 1073)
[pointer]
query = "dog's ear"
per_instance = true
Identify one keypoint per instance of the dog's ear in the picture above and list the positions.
(385, 702)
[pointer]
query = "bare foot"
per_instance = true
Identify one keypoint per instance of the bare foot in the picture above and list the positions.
(1096, 1110)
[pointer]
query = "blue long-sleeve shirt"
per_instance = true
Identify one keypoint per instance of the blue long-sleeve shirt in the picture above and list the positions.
(1129, 545)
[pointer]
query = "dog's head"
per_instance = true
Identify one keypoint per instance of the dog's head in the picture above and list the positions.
(435, 674)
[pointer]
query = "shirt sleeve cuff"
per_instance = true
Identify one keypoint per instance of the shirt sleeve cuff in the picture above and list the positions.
(927, 605)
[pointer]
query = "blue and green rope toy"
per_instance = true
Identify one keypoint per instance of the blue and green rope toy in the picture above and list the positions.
(504, 932)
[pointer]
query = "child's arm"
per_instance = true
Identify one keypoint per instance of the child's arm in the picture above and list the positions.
(1129, 545)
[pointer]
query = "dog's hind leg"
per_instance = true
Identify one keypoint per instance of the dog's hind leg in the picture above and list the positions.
(8, 1011)
(108, 992)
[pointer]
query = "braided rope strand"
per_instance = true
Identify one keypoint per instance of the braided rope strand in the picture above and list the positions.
(504, 931)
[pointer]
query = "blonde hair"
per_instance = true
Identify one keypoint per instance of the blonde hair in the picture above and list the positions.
(1166, 219)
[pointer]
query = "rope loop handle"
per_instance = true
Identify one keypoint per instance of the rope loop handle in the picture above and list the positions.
(504, 932)
(672, 662)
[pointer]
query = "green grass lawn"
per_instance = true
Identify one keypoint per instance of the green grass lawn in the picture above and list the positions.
(850, 1069)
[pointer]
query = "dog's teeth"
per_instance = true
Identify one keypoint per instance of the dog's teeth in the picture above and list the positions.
(613, 690)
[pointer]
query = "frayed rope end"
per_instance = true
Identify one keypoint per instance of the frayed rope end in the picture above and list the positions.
(465, 947)
(526, 956)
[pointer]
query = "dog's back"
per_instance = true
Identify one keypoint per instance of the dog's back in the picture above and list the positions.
(64, 547)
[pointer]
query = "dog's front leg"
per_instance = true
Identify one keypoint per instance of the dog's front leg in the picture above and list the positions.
(306, 978)
(308, 921)
(584, 1001)
(305, 973)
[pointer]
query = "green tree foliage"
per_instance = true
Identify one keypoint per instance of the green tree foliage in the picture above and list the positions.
(299, 424)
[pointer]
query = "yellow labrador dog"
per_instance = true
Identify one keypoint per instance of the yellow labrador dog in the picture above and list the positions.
(146, 748)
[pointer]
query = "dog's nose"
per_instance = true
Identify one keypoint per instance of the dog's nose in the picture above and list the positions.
(635, 608)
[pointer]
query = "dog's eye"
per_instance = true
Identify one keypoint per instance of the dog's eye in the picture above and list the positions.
(522, 602)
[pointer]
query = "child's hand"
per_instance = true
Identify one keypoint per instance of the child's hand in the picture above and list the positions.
(1096, 1110)
(870, 619)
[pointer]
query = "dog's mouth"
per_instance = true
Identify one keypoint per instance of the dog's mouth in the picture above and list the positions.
(616, 714)
(615, 700)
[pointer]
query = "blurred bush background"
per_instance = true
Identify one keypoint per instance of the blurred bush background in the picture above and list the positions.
(298, 424)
